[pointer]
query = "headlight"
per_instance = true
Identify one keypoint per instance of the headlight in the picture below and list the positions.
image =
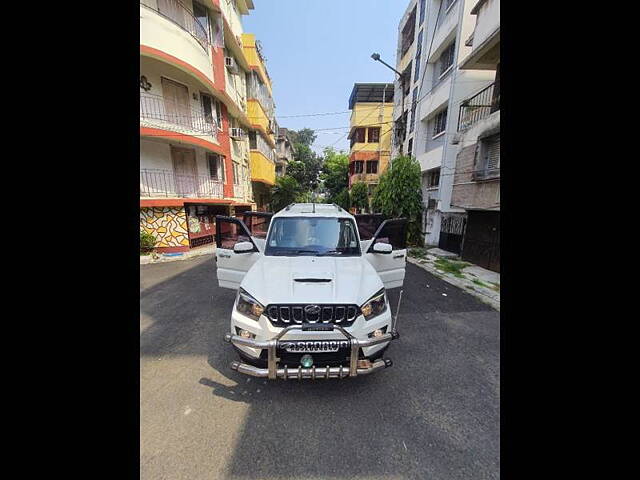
(375, 305)
(248, 306)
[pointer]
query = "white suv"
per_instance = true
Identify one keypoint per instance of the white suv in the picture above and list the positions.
(311, 284)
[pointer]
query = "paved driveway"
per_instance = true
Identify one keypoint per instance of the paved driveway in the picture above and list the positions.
(434, 415)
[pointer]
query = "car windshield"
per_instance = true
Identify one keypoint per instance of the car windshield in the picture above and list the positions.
(292, 236)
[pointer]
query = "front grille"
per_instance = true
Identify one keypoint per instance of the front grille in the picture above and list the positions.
(290, 314)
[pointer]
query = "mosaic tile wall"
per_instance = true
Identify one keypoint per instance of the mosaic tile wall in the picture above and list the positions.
(167, 224)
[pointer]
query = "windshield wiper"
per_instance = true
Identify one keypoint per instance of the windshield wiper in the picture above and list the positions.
(329, 252)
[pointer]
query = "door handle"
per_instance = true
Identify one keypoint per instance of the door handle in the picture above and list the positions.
(399, 256)
(222, 255)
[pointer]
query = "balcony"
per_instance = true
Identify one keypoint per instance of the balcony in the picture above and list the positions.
(161, 112)
(364, 177)
(479, 107)
(240, 191)
(167, 183)
(486, 174)
(177, 13)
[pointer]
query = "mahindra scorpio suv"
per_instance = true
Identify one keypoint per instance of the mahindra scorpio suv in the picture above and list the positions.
(311, 285)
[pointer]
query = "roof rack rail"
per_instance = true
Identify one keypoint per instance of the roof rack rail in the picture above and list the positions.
(289, 206)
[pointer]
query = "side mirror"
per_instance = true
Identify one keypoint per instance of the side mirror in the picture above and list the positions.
(243, 247)
(382, 248)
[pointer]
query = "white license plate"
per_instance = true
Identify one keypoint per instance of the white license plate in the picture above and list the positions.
(313, 346)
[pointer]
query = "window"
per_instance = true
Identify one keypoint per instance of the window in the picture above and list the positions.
(410, 147)
(374, 135)
(440, 123)
(358, 136)
(358, 166)
(216, 166)
(447, 4)
(433, 178)
(207, 107)
(414, 104)
(407, 75)
(446, 59)
(488, 157)
(200, 13)
(407, 33)
(253, 141)
(218, 106)
(423, 9)
(236, 174)
(372, 166)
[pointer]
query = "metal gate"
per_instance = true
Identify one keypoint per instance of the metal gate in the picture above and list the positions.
(452, 227)
(482, 240)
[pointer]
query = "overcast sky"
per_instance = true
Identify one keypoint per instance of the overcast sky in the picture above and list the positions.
(317, 49)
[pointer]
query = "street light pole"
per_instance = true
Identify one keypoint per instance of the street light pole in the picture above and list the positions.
(376, 57)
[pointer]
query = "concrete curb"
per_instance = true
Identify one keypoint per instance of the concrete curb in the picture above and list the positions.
(484, 294)
(146, 259)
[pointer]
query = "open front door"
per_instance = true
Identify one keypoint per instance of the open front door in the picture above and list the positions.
(232, 266)
(258, 225)
(390, 266)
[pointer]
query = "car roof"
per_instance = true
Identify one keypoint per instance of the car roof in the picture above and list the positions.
(313, 210)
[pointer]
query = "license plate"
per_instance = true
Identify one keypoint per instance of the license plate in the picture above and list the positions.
(304, 346)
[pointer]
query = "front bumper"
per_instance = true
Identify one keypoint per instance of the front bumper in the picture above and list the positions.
(273, 370)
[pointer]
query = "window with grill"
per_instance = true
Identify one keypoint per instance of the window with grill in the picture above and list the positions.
(236, 175)
(372, 166)
(253, 141)
(374, 134)
(488, 160)
(358, 166)
(423, 10)
(216, 166)
(440, 123)
(446, 59)
(410, 147)
(433, 178)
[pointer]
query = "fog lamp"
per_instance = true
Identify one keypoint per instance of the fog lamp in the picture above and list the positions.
(378, 332)
(306, 361)
(245, 333)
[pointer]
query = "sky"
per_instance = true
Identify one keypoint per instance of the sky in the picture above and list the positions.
(317, 49)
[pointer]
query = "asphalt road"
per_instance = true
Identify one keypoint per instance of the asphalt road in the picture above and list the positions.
(434, 415)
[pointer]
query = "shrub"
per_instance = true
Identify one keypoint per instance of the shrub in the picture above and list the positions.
(147, 241)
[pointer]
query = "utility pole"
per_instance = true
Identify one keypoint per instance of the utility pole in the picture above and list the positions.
(376, 57)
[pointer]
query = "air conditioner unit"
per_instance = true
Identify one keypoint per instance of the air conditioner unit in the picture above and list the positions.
(230, 63)
(237, 133)
(432, 204)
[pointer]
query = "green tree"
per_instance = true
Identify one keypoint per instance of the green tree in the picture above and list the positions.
(284, 192)
(306, 136)
(359, 196)
(342, 199)
(335, 172)
(399, 194)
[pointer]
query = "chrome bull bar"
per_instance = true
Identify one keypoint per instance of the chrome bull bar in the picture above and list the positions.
(274, 371)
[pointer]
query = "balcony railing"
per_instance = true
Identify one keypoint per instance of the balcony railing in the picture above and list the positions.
(486, 174)
(168, 113)
(167, 183)
(239, 191)
(176, 12)
(478, 107)
(364, 177)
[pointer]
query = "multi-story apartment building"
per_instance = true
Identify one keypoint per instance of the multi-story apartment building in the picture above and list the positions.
(476, 182)
(195, 156)
(261, 112)
(284, 151)
(432, 41)
(371, 106)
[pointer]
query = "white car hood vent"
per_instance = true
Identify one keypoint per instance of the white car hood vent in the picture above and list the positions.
(312, 280)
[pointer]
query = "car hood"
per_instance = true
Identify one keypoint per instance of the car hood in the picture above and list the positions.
(310, 279)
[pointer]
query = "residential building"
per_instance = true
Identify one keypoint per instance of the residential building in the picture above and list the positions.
(194, 116)
(431, 43)
(284, 151)
(261, 112)
(371, 106)
(476, 182)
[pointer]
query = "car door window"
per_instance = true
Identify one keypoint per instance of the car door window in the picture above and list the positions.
(368, 224)
(230, 231)
(257, 223)
(393, 232)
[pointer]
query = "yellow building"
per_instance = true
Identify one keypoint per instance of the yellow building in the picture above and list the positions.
(371, 106)
(261, 113)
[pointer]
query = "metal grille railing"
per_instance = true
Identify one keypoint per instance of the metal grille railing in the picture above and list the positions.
(179, 14)
(167, 183)
(480, 106)
(181, 117)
